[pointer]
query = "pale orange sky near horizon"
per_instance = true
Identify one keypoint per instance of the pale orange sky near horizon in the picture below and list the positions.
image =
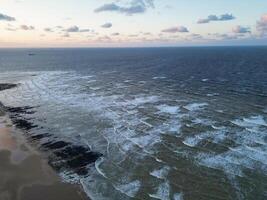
(94, 23)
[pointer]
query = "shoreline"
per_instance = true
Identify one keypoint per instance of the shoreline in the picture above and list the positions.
(24, 173)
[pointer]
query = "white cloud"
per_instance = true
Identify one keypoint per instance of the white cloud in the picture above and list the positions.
(210, 18)
(178, 29)
(27, 28)
(107, 25)
(72, 29)
(241, 29)
(262, 25)
(133, 7)
(6, 18)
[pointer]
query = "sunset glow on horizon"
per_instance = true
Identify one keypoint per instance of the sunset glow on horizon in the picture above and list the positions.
(132, 23)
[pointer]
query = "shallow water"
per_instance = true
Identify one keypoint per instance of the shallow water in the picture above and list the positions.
(178, 123)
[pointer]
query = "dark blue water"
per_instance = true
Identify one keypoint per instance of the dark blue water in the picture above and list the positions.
(154, 123)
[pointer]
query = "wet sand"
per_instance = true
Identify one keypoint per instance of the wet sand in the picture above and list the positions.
(25, 174)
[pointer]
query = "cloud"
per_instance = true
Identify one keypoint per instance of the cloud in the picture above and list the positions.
(84, 30)
(76, 29)
(147, 33)
(104, 38)
(241, 29)
(262, 25)
(27, 28)
(6, 18)
(59, 27)
(72, 29)
(115, 34)
(108, 7)
(195, 36)
(11, 29)
(210, 18)
(133, 7)
(107, 25)
(48, 30)
(228, 37)
(178, 29)
(226, 17)
(133, 35)
(224, 36)
(66, 35)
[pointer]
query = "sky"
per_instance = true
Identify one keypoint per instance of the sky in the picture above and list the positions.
(132, 23)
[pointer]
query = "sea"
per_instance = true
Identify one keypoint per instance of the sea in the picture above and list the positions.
(145, 123)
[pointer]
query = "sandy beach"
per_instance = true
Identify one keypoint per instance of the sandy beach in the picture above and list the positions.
(24, 173)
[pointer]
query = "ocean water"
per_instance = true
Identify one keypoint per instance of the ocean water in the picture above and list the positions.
(159, 123)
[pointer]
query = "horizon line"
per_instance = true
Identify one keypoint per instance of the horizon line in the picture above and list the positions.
(133, 47)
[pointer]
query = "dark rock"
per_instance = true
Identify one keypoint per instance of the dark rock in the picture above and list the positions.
(20, 110)
(6, 86)
(16, 116)
(23, 124)
(62, 155)
(83, 159)
(55, 145)
(74, 158)
(71, 151)
(39, 136)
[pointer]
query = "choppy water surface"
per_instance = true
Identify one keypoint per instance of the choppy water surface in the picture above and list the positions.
(185, 123)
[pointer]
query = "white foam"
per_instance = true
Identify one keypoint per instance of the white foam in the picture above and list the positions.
(258, 120)
(91, 81)
(95, 88)
(93, 188)
(234, 161)
(159, 160)
(252, 121)
(97, 166)
(171, 126)
(214, 136)
(69, 177)
(163, 192)
(217, 127)
(127, 146)
(127, 81)
(219, 135)
(250, 137)
(161, 173)
(192, 141)
(175, 127)
(206, 122)
(159, 77)
(172, 110)
(178, 196)
(146, 140)
(195, 106)
(141, 100)
(130, 189)
(226, 162)
(212, 94)
(254, 153)
(146, 123)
